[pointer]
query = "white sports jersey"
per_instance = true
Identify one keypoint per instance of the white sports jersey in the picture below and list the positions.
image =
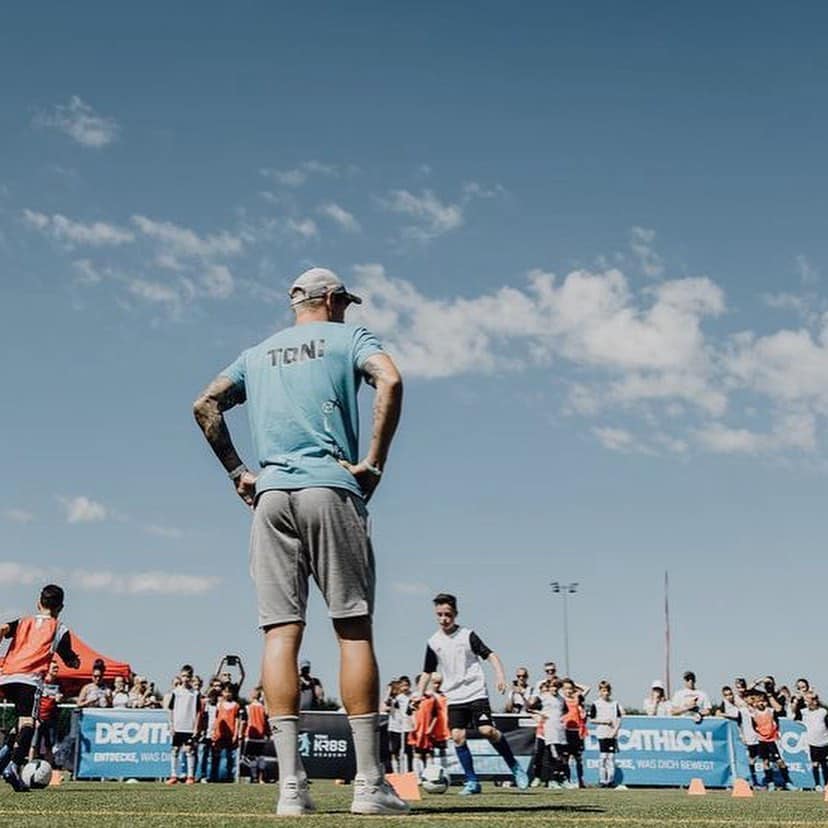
(456, 656)
(553, 708)
(730, 710)
(184, 705)
(398, 719)
(816, 726)
(749, 736)
(608, 711)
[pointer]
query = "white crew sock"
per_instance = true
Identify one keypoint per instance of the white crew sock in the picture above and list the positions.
(365, 730)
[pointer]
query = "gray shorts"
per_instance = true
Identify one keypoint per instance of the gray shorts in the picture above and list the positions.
(321, 532)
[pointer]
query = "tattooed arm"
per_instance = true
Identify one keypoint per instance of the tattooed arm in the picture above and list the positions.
(220, 395)
(382, 374)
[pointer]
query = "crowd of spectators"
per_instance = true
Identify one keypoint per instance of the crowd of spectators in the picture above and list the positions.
(563, 709)
(229, 728)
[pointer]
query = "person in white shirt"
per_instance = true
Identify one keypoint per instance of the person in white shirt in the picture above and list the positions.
(456, 653)
(400, 724)
(120, 695)
(606, 714)
(689, 700)
(815, 718)
(184, 707)
(553, 708)
(656, 704)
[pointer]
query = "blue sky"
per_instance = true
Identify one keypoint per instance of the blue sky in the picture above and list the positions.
(592, 235)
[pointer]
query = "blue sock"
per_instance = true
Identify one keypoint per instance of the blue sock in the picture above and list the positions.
(502, 747)
(465, 757)
(5, 756)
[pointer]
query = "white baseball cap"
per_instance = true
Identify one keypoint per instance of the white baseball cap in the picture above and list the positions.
(658, 684)
(316, 283)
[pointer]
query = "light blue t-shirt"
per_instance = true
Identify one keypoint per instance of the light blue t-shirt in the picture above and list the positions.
(301, 386)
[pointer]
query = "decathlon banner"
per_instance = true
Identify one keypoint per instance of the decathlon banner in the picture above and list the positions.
(120, 744)
(657, 751)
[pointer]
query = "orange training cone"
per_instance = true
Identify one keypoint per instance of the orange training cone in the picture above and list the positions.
(696, 787)
(741, 789)
(826, 795)
(405, 784)
(57, 778)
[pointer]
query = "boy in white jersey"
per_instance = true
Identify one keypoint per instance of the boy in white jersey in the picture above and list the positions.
(815, 718)
(184, 710)
(456, 652)
(606, 714)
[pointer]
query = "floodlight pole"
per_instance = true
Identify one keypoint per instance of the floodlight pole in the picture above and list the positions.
(563, 590)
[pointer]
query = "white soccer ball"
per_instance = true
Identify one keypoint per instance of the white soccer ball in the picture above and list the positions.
(435, 780)
(37, 773)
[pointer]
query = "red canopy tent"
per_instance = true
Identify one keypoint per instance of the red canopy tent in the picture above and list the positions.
(71, 680)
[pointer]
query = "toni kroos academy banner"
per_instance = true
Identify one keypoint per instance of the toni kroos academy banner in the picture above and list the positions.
(119, 744)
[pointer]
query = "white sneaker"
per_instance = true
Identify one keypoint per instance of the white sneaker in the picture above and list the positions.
(294, 797)
(570, 786)
(380, 799)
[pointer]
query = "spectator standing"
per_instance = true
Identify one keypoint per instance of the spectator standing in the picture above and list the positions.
(120, 695)
(520, 696)
(576, 730)
(49, 715)
(256, 734)
(226, 735)
(766, 725)
(550, 673)
(183, 704)
(209, 710)
(400, 724)
(656, 703)
(815, 718)
(311, 692)
(606, 714)
(95, 693)
(689, 700)
(139, 693)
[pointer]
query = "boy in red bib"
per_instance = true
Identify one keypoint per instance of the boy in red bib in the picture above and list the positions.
(35, 639)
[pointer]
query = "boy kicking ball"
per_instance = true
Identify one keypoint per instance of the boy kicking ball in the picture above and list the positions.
(456, 653)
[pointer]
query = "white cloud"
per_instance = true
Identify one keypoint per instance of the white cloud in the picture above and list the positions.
(18, 515)
(615, 439)
(69, 232)
(82, 509)
(641, 244)
(80, 122)
(154, 292)
(591, 319)
(88, 273)
(305, 228)
(154, 582)
(434, 218)
(790, 431)
(341, 216)
(181, 241)
(297, 176)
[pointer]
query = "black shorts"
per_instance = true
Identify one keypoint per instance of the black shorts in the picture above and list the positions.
(22, 696)
(608, 746)
(818, 753)
(471, 714)
(254, 747)
(753, 751)
(181, 738)
(574, 743)
(769, 751)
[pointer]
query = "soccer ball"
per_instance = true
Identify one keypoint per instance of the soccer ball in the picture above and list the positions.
(435, 780)
(37, 773)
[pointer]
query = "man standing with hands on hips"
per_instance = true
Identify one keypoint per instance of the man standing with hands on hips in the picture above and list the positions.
(309, 515)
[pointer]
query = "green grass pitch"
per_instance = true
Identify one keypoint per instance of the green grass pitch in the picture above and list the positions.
(152, 804)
